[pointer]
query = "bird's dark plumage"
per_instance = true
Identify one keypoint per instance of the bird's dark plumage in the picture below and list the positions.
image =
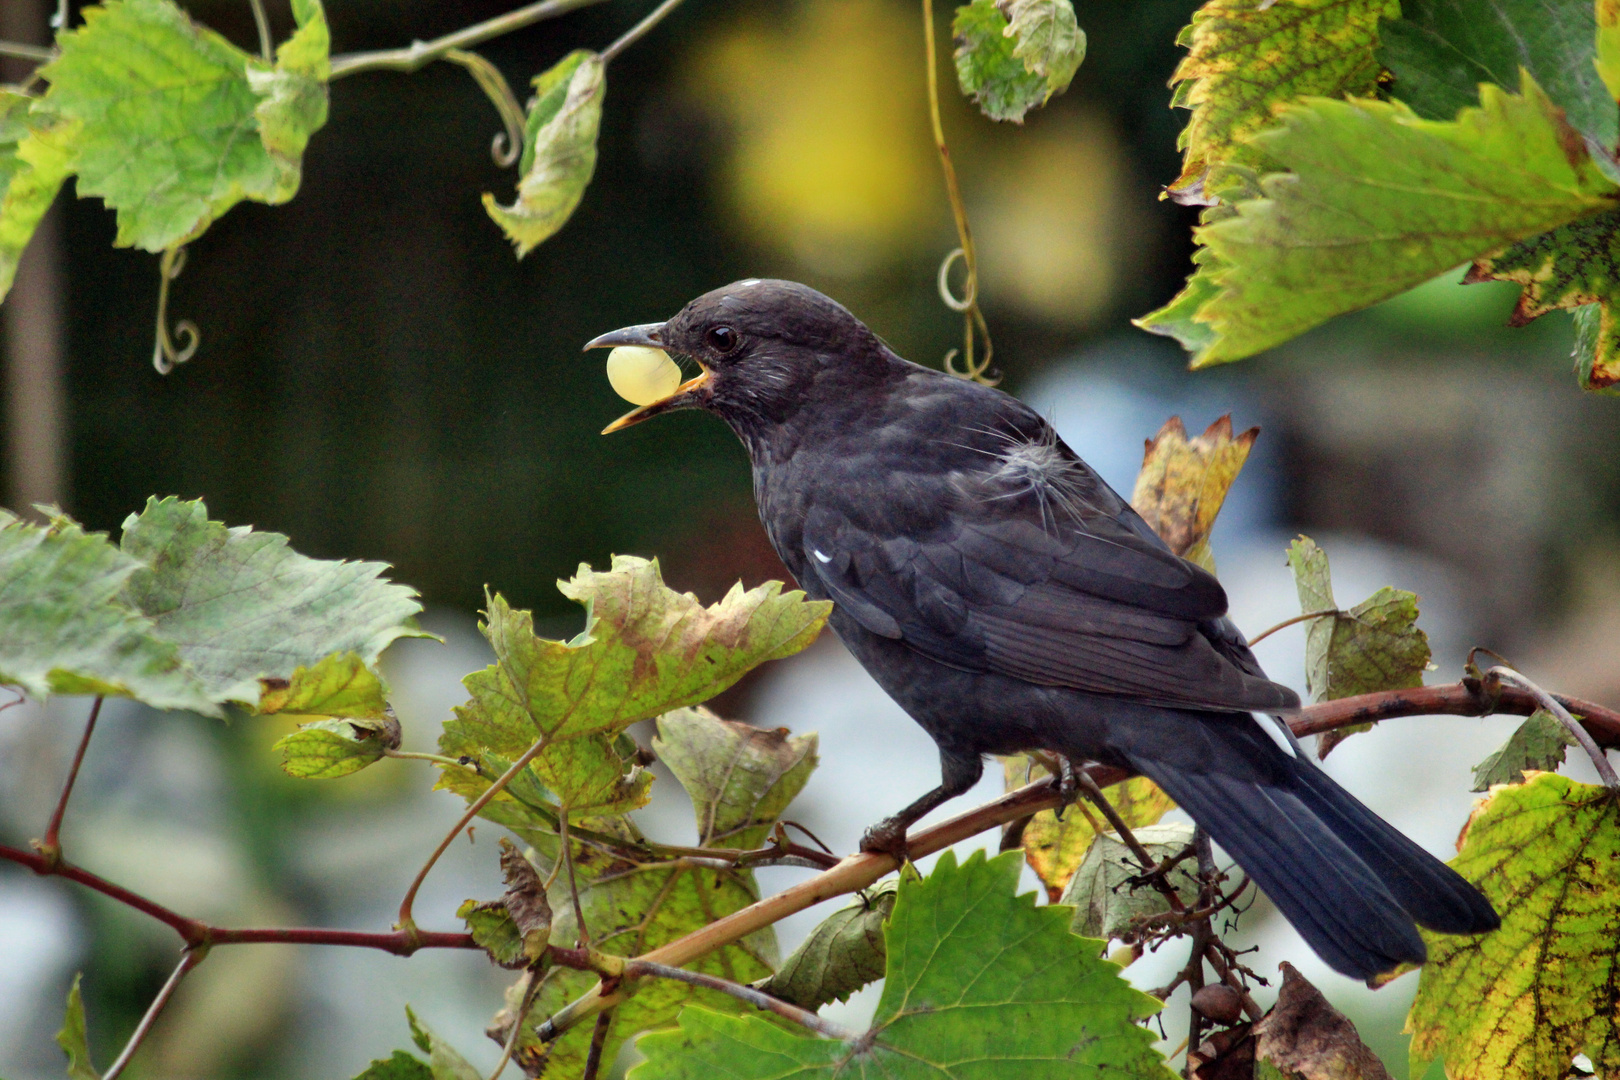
(1010, 600)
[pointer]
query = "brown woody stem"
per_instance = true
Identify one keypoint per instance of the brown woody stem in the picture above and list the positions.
(642, 968)
(51, 845)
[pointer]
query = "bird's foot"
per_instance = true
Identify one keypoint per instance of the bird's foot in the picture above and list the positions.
(1066, 782)
(888, 837)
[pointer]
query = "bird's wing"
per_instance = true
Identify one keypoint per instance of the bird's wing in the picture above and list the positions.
(1096, 603)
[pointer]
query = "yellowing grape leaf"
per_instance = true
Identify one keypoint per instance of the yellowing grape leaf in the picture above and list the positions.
(1184, 481)
(33, 165)
(1607, 60)
(258, 623)
(559, 154)
(1523, 1000)
(1246, 59)
(1378, 200)
(645, 650)
(841, 955)
(1055, 846)
(1567, 267)
(178, 124)
(740, 777)
(1374, 646)
(979, 983)
(515, 929)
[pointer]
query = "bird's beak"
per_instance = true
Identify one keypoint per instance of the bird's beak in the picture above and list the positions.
(647, 334)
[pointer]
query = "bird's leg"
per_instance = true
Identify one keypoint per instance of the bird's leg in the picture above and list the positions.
(958, 773)
(1068, 785)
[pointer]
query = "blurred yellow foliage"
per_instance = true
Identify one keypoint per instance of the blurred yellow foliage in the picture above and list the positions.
(832, 160)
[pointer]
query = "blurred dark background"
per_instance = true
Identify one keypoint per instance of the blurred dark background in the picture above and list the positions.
(380, 378)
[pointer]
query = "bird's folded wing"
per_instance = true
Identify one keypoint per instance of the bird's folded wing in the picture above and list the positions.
(1104, 610)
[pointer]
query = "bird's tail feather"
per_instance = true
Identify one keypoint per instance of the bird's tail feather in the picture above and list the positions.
(1348, 881)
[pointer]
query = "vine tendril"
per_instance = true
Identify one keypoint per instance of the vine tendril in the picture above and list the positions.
(507, 146)
(164, 355)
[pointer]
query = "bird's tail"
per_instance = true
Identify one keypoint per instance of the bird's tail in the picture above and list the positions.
(1346, 879)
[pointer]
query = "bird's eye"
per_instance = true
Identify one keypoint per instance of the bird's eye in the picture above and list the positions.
(723, 340)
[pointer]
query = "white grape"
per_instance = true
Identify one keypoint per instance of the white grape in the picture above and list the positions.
(641, 375)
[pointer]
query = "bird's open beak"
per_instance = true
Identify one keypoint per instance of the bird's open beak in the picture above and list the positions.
(647, 334)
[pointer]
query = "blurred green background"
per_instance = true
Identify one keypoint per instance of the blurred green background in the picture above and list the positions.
(380, 378)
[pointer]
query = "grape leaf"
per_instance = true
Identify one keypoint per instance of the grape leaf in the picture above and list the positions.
(1379, 200)
(1184, 481)
(1374, 646)
(740, 777)
(1055, 846)
(1106, 898)
(1048, 40)
(327, 749)
(841, 955)
(64, 628)
(559, 152)
(988, 69)
(1536, 745)
(248, 612)
(398, 1066)
(33, 165)
(1567, 267)
(1441, 50)
(645, 650)
(1246, 59)
(1607, 60)
(73, 1038)
(1523, 1000)
(631, 911)
(1305, 1038)
(444, 1061)
(172, 130)
(979, 982)
(338, 685)
(515, 929)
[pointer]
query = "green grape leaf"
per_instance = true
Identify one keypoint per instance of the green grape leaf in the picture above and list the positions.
(1537, 745)
(1105, 900)
(632, 911)
(559, 153)
(397, 1066)
(64, 628)
(1047, 40)
(33, 165)
(1184, 482)
(988, 72)
(645, 650)
(339, 685)
(1439, 51)
(1055, 846)
(293, 92)
(1374, 646)
(1247, 59)
(247, 611)
(740, 777)
(841, 955)
(327, 749)
(493, 928)
(1379, 200)
(980, 982)
(444, 1061)
(72, 1038)
(1523, 1000)
(1566, 267)
(164, 106)
(1592, 369)
(1305, 1038)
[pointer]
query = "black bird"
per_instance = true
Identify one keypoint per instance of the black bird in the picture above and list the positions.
(1010, 600)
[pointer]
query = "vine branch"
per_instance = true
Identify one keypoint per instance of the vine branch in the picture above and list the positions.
(191, 959)
(638, 31)
(637, 969)
(420, 54)
(51, 845)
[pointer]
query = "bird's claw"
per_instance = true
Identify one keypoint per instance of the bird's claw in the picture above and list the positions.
(887, 837)
(1066, 782)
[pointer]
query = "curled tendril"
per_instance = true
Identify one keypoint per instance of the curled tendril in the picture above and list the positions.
(164, 355)
(965, 304)
(507, 146)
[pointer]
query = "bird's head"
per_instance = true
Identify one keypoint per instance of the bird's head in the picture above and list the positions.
(765, 349)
